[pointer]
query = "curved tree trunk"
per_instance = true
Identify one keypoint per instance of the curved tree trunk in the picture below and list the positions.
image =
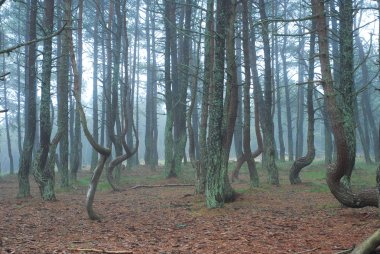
(104, 152)
(341, 128)
(302, 162)
(257, 101)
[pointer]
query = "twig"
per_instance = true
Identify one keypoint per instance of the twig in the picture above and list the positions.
(311, 250)
(102, 251)
(159, 186)
(3, 110)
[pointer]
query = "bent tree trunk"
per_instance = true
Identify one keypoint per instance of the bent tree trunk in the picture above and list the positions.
(104, 152)
(305, 161)
(341, 126)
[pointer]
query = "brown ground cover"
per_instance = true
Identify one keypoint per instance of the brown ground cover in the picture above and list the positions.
(285, 219)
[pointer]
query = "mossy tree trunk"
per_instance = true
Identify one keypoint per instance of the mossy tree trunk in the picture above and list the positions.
(63, 97)
(169, 72)
(43, 167)
(221, 125)
(268, 127)
(208, 84)
(30, 106)
(341, 120)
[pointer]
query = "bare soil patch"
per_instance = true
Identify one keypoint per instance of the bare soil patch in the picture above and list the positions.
(285, 219)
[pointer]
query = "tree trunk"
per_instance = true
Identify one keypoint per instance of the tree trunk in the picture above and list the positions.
(62, 95)
(300, 97)
(254, 178)
(238, 135)
(180, 90)
(77, 143)
(43, 168)
(30, 106)
(95, 115)
(268, 128)
(9, 143)
(169, 72)
(302, 162)
(218, 189)
(208, 84)
(279, 95)
(287, 92)
(341, 122)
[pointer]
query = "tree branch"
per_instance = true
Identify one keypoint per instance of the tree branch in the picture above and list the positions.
(9, 50)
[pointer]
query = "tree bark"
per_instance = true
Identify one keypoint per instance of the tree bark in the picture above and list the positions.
(218, 189)
(77, 143)
(62, 95)
(95, 115)
(208, 84)
(169, 72)
(30, 107)
(43, 167)
(268, 128)
(254, 178)
(303, 162)
(342, 129)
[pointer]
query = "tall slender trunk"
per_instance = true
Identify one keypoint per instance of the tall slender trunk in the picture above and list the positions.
(30, 106)
(268, 128)
(289, 125)
(238, 135)
(208, 81)
(254, 178)
(63, 96)
(278, 95)
(170, 71)
(77, 143)
(95, 115)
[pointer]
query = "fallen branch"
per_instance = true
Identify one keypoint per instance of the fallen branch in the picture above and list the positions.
(306, 251)
(160, 186)
(101, 251)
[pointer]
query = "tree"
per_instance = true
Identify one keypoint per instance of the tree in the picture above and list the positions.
(267, 120)
(208, 84)
(340, 116)
(302, 162)
(222, 115)
(77, 143)
(63, 96)
(30, 106)
(247, 104)
(95, 108)
(43, 165)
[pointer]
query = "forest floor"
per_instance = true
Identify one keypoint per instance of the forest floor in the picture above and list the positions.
(287, 219)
